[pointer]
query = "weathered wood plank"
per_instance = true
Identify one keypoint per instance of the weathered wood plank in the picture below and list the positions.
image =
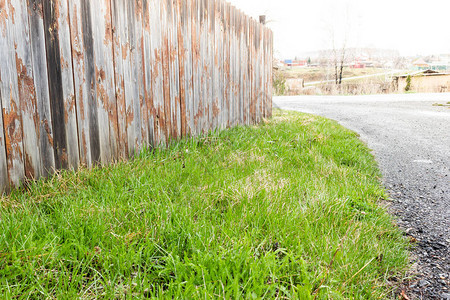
(196, 65)
(270, 73)
(184, 61)
(131, 125)
(237, 67)
(262, 68)
(174, 69)
(262, 71)
(216, 65)
(65, 48)
(103, 70)
(39, 65)
(109, 82)
(232, 114)
(210, 63)
(221, 58)
(247, 86)
(62, 100)
(86, 85)
(203, 19)
(165, 37)
(256, 73)
(4, 182)
(120, 41)
(149, 115)
(252, 71)
(227, 66)
(27, 90)
(137, 54)
(241, 68)
(157, 71)
(12, 123)
(266, 72)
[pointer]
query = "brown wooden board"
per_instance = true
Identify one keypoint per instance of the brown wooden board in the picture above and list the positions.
(157, 71)
(210, 64)
(252, 71)
(121, 56)
(165, 36)
(270, 71)
(247, 86)
(56, 93)
(227, 66)
(263, 70)
(216, 65)
(4, 184)
(257, 73)
(149, 114)
(204, 66)
(196, 65)
(27, 90)
(241, 66)
(143, 99)
(39, 65)
(139, 71)
(185, 60)
(263, 67)
(88, 83)
(232, 114)
(104, 76)
(174, 69)
(12, 123)
(235, 68)
(134, 84)
(222, 46)
(65, 48)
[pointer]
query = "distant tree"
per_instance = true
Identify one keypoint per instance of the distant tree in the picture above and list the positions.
(340, 33)
(309, 60)
(408, 83)
(279, 81)
(339, 57)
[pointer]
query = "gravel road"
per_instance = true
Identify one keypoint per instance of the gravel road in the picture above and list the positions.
(410, 136)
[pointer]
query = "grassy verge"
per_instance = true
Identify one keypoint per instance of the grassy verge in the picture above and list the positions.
(286, 209)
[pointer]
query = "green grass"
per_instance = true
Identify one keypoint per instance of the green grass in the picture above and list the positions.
(286, 209)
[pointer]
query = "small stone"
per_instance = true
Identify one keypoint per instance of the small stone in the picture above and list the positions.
(423, 283)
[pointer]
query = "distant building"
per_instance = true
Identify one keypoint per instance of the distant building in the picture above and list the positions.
(428, 81)
(295, 62)
(357, 65)
(441, 64)
(420, 64)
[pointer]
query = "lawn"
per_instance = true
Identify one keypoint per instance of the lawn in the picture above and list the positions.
(286, 209)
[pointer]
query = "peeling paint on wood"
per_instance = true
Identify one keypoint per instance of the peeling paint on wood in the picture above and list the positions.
(12, 123)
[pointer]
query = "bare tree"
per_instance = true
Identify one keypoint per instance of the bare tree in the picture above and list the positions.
(339, 59)
(338, 33)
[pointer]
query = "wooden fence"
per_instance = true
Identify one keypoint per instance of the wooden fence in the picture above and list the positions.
(85, 82)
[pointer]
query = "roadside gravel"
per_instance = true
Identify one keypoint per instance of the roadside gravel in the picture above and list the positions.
(410, 136)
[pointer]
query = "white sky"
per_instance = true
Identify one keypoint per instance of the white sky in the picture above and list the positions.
(414, 27)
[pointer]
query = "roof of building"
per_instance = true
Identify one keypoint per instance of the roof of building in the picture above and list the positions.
(422, 73)
(420, 62)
